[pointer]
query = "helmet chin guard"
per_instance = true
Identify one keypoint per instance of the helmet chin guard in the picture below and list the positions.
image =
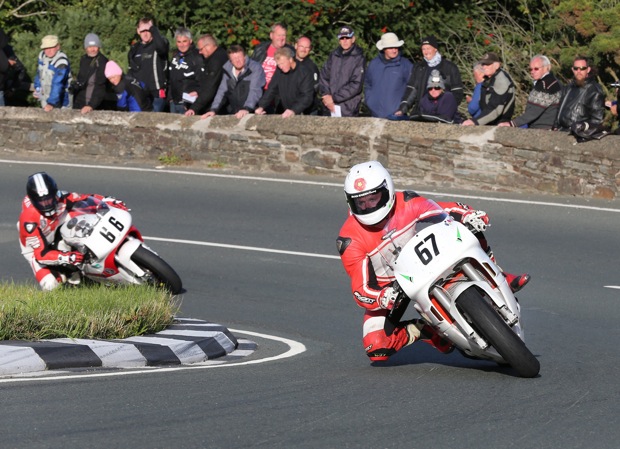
(369, 190)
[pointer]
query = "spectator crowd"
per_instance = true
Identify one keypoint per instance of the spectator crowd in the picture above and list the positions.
(201, 77)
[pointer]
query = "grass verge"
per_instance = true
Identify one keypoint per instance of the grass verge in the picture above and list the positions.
(96, 311)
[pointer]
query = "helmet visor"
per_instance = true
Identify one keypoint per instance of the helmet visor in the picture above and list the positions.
(369, 201)
(46, 205)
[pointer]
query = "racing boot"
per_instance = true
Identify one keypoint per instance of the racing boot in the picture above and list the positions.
(428, 335)
(517, 282)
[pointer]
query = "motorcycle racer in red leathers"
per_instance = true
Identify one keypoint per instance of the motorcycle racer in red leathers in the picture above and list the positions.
(380, 219)
(44, 209)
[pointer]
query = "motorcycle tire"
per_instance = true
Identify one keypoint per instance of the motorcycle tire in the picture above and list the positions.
(163, 274)
(490, 325)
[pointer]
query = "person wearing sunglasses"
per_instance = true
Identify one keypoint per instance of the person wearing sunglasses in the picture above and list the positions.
(583, 99)
(497, 97)
(544, 99)
(437, 102)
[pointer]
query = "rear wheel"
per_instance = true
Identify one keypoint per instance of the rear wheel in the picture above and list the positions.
(497, 333)
(162, 273)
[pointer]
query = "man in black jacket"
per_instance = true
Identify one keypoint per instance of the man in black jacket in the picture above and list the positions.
(416, 86)
(214, 58)
(185, 69)
(89, 88)
(291, 88)
(148, 62)
(582, 99)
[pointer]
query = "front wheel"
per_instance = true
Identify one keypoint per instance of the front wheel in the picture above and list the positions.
(162, 273)
(497, 333)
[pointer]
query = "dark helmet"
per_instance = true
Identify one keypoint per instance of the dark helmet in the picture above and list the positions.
(43, 193)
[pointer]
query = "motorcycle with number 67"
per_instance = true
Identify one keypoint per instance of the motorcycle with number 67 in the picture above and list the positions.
(113, 248)
(458, 290)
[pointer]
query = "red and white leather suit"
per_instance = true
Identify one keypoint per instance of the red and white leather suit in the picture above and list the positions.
(37, 234)
(366, 253)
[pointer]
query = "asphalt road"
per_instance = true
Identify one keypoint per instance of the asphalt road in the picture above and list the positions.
(330, 396)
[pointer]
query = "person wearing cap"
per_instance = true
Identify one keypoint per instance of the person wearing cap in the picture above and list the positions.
(131, 94)
(341, 80)
(544, 99)
(264, 53)
(53, 76)
(497, 97)
(416, 86)
(437, 104)
(148, 62)
(89, 88)
(386, 77)
(583, 99)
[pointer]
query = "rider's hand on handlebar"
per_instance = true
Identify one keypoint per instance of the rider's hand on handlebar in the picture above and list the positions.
(71, 258)
(387, 298)
(116, 203)
(476, 220)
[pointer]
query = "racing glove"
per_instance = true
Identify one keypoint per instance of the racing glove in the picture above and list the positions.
(116, 203)
(71, 258)
(476, 220)
(387, 298)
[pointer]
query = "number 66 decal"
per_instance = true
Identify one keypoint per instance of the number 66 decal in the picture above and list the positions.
(109, 236)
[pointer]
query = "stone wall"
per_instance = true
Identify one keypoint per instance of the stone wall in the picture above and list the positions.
(487, 158)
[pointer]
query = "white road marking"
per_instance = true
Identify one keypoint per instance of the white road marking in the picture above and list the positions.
(298, 181)
(245, 248)
(612, 286)
(295, 348)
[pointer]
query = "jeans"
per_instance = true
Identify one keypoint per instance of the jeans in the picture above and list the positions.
(159, 104)
(2, 103)
(177, 108)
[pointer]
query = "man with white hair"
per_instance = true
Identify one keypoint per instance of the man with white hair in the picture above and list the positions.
(544, 99)
(185, 69)
(386, 77)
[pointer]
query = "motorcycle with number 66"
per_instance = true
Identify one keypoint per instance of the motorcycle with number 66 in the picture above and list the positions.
(458, 290)
(114, 250)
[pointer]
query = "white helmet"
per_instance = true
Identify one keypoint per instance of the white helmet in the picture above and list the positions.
(369, 178)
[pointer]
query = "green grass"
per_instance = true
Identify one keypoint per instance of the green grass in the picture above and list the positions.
(96, 311)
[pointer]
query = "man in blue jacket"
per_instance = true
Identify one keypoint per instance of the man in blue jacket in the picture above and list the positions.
(51, 82)
(386, 77)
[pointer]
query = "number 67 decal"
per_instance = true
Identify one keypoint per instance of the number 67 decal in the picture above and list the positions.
(424, 253)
